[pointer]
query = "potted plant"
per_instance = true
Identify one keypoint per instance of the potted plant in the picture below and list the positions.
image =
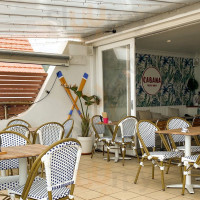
(85, 102)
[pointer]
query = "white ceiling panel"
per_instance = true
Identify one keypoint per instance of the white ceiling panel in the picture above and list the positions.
(76, 18)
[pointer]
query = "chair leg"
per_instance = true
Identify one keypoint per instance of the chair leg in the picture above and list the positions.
(123, 153)
(137, 154)
(42, 170)
(103, 149)
(93, 149)
(108, 151)
(139, 169)
(153, 167)
(181, 170)
(169, 164)
(162, 175)
(184, 180)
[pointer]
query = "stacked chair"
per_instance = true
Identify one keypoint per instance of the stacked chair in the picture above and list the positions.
(146, 135)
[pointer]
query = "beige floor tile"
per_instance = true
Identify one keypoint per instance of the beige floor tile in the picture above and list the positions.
(142, 191)
(142, 198)
(124, 195)
(105, 198)
(161, 195)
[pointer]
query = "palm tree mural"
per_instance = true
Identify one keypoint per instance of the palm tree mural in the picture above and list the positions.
(175, 73)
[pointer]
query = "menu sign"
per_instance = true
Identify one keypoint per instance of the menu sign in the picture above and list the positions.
(151, 81)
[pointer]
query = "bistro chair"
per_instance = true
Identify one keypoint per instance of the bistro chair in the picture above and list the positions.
(61, 161)
(99, 130)
(68, 126)
(177, 123)
(49, 133)
(128, 129)
(8, 139)
(18, 121)
(146, 135)
(19, 129)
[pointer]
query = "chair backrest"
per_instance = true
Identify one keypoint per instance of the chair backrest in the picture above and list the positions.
(68, 126)
(98, 128)
(61, 162)
(176, 123)
(146, 134)
(128, 126)
(50, 132)
(19, 122)
(11, 138)
(19, 129)
(196, 121)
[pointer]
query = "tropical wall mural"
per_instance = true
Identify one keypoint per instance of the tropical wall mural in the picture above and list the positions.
(175, 73)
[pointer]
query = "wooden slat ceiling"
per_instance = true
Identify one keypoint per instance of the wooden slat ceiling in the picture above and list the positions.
(18, 91)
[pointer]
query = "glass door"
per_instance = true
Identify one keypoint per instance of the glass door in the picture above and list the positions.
(116, 81)
(116, 75)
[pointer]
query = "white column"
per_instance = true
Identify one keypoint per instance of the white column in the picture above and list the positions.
(133, 77)
(188, 153)
(22, 171)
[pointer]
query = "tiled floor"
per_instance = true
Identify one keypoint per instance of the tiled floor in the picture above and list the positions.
(98, 179)
(101, 180)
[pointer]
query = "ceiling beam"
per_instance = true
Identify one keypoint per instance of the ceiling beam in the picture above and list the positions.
(34, 58)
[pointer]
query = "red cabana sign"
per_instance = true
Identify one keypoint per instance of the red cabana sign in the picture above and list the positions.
(151, 80)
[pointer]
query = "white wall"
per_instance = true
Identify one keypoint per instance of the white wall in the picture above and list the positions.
(56, 106)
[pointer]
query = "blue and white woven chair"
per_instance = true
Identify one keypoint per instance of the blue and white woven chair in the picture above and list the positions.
(128, 129)
(18, 121)
(146, 135)
(99, 130)
(9, 139)
(61, 161)
(68, 126)
(177, 123)
(19, 129)
(190, 162)
(50, 132)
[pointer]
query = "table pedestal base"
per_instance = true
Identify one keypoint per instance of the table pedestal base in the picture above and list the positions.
(190, 188)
